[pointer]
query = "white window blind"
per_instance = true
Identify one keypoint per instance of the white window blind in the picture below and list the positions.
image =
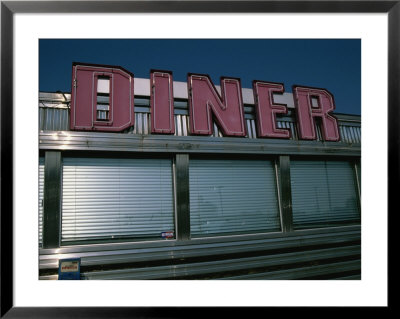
(324, 193)
(41, 188)
(232, 196)
(116, 198)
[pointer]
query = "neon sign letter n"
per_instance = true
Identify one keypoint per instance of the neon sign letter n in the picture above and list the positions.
(205, 102)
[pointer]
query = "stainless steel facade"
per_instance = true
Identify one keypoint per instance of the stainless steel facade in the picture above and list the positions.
(281, 253)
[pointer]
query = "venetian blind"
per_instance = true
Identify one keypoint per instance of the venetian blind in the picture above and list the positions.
(232, 196)
(105, 198)
(324, 193)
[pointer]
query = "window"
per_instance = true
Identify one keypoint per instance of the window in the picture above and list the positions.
(324, 193)
(232, 197)
(106, 198)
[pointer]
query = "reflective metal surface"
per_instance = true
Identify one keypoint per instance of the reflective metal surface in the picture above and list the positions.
(181, 183)
(333, 252)
(85, 141)
(217, 269)
(51, 199)
(285, 193)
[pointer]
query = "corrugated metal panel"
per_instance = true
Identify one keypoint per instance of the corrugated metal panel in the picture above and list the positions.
(137, 252)
(41, 188)
(324, 193)
(54, 119)
(219, 267)
(332, 252)
(289, 125)
(350, 134)
(232, 196)
(333, 270)
(54, 116)
(113, 198)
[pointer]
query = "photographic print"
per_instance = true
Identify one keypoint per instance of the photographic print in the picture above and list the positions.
(190, 159)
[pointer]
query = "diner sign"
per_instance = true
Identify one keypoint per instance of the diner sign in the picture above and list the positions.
(103, 100)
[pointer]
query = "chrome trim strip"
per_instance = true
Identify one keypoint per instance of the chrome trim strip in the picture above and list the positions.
(334, 233)
(88, 141)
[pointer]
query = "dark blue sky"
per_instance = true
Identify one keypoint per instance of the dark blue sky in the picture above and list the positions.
(331, 64)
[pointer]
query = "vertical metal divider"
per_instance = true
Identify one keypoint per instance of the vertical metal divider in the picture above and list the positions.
(52, 199)
(181, 183)
(356, 165)
(278, 189)
(285, 194)
(176, 230)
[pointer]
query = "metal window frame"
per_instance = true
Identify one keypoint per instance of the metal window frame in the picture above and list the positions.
(52, 198)
(357, 173)
(9, 8)
(181, 190)
(285, 190)
(126, 155)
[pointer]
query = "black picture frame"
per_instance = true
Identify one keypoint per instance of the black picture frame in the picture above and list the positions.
(9, 8)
